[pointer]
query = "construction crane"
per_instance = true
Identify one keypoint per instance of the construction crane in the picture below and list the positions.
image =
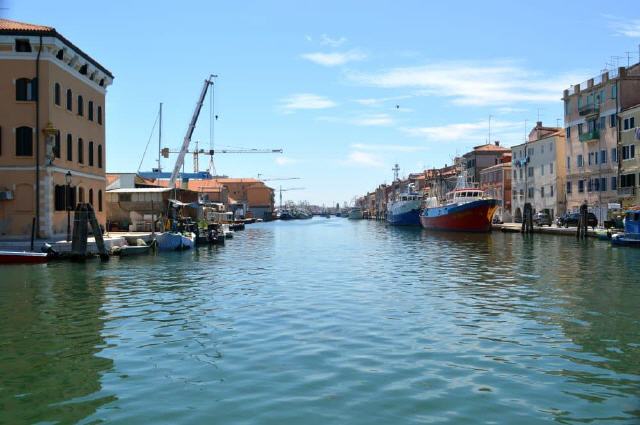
(287, 190)
(196, 152)
(271, 179)
(192, 125)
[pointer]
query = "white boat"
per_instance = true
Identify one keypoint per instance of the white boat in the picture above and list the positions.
(174, 241)
(227, 232)
(356, 213)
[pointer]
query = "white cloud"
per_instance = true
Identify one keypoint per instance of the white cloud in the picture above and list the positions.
(325, 40)
(469, 83)
(378, 101)
(335, 58)
(624, 27)
(387, 147)
(308, 38)
(305, 101)
(365, 159)
(285, 160)
(373, 120)
(476, 132)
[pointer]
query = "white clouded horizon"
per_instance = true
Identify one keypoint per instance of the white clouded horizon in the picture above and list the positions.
(365, 159)
(474, 132)
(325, 40)
(363, 120)
(302, 101)
(471, 83)
(387, 147)
(624, 27)
(285, 160)
(334, 58)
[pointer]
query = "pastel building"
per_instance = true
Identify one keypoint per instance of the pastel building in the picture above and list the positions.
(496, 182)
(593, 133)
(52, 130)
(629, 185)
(538, 171)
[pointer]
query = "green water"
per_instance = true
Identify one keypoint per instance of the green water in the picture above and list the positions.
(328, 322)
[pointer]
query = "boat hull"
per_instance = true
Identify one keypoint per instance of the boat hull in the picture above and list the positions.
(15, 257)
(174, 241)
(404, 213)
(470, 217)
(356, 215)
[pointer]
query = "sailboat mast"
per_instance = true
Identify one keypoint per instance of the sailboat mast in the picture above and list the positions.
(160, 138)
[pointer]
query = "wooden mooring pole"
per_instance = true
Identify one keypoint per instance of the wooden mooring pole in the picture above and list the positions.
(527, 219)
(581, 232)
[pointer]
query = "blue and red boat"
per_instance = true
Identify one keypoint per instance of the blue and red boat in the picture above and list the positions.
(465, 209)
(405, 209)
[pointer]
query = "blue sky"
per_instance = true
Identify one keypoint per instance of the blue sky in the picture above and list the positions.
(346, 88)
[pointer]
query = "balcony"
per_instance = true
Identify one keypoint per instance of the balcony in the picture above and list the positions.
(626, 191)
(588, 109)
(590, 136)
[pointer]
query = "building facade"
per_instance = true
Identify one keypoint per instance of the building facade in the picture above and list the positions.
(52, 130)
(482, 157)
(593, 133)
(629, 184)
(496, 182)
(539, 174)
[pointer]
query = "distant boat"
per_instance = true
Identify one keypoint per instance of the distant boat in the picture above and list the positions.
(405, 209)
(631, 235)
(464, 210)
(174, 241)
(356, 213)
(21, 257)
(286, 215)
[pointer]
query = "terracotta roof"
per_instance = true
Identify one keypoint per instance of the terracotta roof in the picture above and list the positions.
(490, 147)
(7, 24)
(238, 180)
(204, 185)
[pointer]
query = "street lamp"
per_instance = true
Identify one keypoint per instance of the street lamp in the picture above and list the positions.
(67, 179)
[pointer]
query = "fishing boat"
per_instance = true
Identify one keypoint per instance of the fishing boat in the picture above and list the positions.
(286, 215)
(465, 209)
(631, 235)
(22, 257)
(356, 213)
(175, 241)
(404, 210)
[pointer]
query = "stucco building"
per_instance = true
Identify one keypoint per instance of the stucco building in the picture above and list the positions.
(629, 186)
(52, 130)
(482, 157)
(593, 134)
(496, 182)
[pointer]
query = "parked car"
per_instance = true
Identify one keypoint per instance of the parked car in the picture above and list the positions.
(541, 219)
(572, 219)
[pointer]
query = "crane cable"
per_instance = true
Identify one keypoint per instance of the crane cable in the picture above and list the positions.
(149, 141)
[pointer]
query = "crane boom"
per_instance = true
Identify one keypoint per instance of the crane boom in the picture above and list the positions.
(187, 137)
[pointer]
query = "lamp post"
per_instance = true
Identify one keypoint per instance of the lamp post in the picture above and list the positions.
(67, 179)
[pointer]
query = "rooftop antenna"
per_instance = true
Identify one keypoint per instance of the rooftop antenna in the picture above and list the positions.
(160, 137)
(539, 109)
(525, 130)
(557, 122)
(628, 59)
(489, 141)
(396, 171)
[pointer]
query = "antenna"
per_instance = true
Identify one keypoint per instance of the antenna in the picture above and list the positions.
(489, 141)
(396, 170)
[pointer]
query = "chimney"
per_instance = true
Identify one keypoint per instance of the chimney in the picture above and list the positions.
(497, 142)
(539, 124)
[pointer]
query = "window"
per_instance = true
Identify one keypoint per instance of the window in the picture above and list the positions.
(521, 172)
(69, 100)
(614, 154)
(589, 185)
(629, 123)
(81, 195)
(99, 156)
(603, 123)
(628, 152)
(614, 183)
(530, 151)
(591, 125)
(59, 197)
(627, 180)
(603, 184)
(612, 120)
(56, 146)
(80, 106)
(69, 148)
(568, 187)
(100, 115)
(580, 161)
(530, 192)
(541, 148)
(530, 171)
(24, 141)
(99, 200)
(568, 163)
(542, 170)
(515, 174)
(23, 46)
(590, 161)
(581, 186)
(614, 91)
(60, 54)
(542, 192)
(551, 191)
(26, 89)
(80, 152)
(579, 128)
(91, 196)
(56, 94)
(90, 110)
(90, 154)
(568, 132)
(603, 156)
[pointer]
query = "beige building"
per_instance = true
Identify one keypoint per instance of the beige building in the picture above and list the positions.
(539, 175)
(629, 185)
(592, 128)
(482, 157)
(52, 118)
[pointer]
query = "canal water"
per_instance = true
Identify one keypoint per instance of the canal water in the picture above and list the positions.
(328, 321)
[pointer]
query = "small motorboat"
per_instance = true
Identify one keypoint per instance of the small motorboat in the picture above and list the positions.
(23, 257)
(631, 235)
(175, 241)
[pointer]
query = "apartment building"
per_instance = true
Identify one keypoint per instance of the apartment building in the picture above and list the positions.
(629, 183)
(538, 171)
(52, 130)
(481, 157)
(496, 182)
(592, 128)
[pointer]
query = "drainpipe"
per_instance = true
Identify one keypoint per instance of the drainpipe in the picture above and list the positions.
(38, 138)
(618, 153)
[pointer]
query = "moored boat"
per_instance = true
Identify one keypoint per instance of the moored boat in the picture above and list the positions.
(356, 213)
(173, 241)
(405, 209)
(22, 257)
(465, 210)
(631, 235)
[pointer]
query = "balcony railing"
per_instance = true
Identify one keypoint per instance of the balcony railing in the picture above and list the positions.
(589, 109)
(627, 191)
(589, 136)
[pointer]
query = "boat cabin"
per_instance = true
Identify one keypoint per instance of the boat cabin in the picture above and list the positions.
(410, 197)
(632, 222)
(465, 195)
